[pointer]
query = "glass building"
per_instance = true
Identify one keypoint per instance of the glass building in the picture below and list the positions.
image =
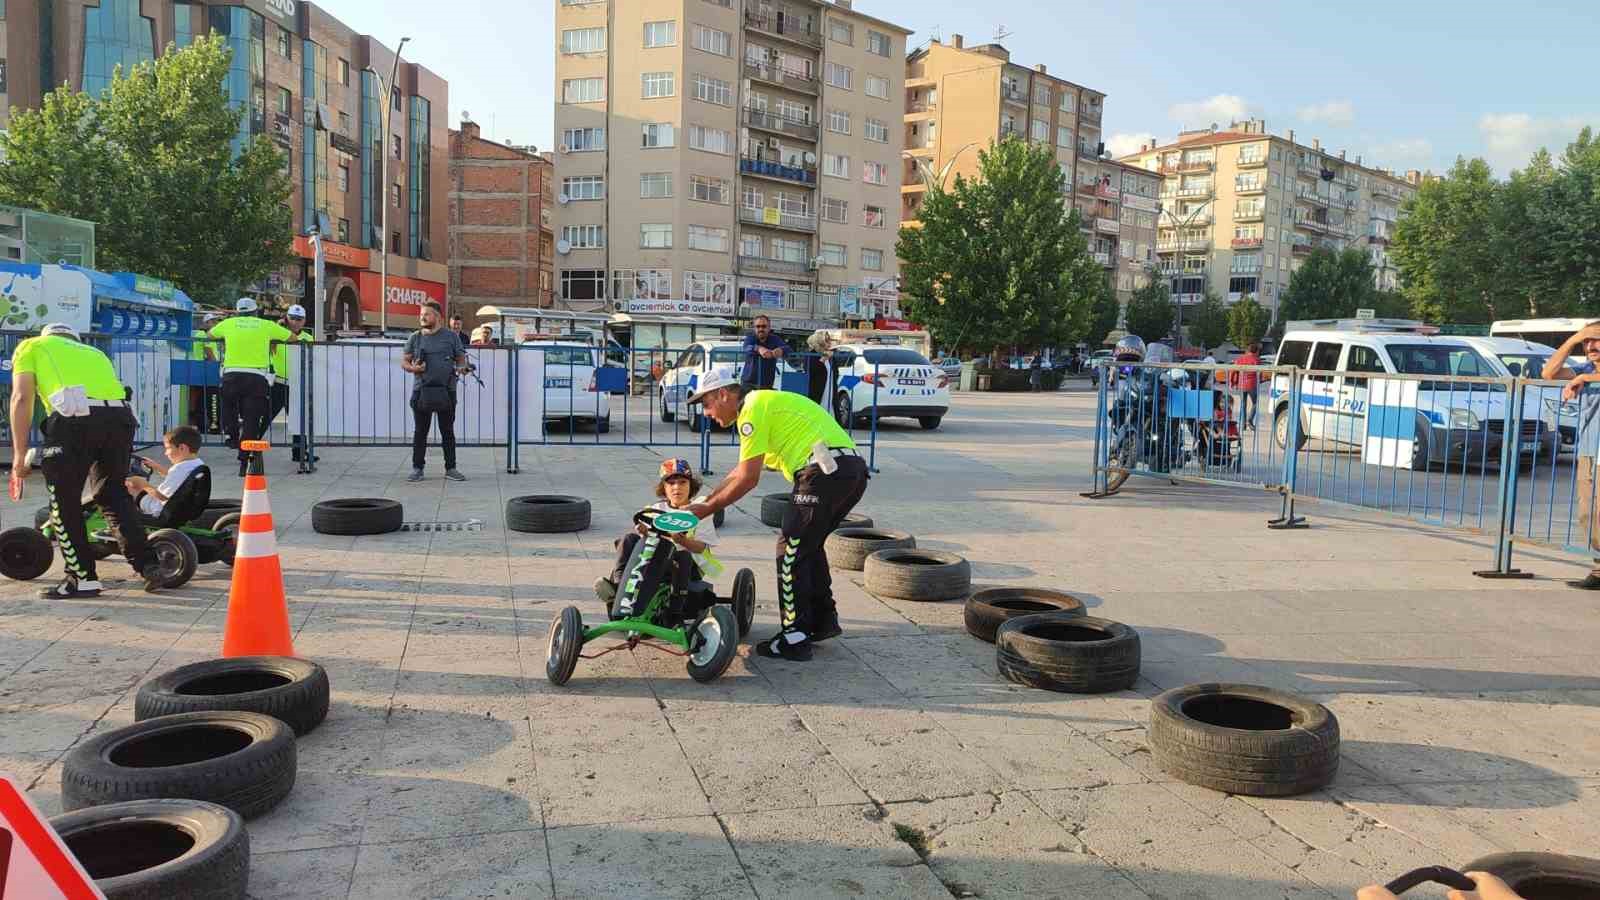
(114, 34)
(246, 35)
(421, 176)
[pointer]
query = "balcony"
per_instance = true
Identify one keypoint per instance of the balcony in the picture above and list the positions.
(788, 28)
(1194, 192)
(1311, 224)
(1103, 258)
(1184, 271)
(1311, 196)
(1090, 114)
(1087, 189)
(766, 168)
(921, 106)
(776, 218)
(1106, 191)
(1107, 226)
(772, 73)
(774, 266)
(1202, 218)
(1012, 133)
(1309, 167)
(1189, 299)
(771, 121)
(1195, 166)
(1250, 243)
(1382, 191)
(1248, 214)
(1013, 95)
(1250, 162)
(1259, 186)
(1170, 245)
(1302, 246)
(1088, 151)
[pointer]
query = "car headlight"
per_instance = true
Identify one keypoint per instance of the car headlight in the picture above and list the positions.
(1464, 418)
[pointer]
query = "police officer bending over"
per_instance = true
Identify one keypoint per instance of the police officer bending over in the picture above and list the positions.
(88, 424)
(247, 374)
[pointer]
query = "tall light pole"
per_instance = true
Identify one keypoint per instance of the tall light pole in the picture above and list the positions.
(1182, 225)
(928, 178)
(384, 124)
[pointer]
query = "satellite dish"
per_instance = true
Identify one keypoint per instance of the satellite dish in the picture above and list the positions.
(563, 247)
(563, 199)
(811, 158)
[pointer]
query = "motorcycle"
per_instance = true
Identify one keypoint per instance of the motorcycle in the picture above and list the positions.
(1141, 431)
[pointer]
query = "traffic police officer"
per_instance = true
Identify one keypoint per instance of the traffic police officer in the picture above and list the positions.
(88, 424)
(797, 437)
(246, 373)
(295, 319)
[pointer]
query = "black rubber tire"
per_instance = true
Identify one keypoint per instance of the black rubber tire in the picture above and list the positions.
(603, 426)
(697, 422)
(160, 849)
(177, 555)
(667, 415)
(848, 548)
(1280, 430)
(1543, 876)
(929, 423)
(230, 524)
(744, 601)
(773, 507)
(718, 517)
(720, 621)
(842, 411)
(1069, 653)
(294, 690)
(242, 760)
(357, 515)
(215, 510)
(25, 553)
(856, 520)
(547, 513)
(987, 610)
(1294, 749)
(1121, 462)
(564, 644)
(928, 575)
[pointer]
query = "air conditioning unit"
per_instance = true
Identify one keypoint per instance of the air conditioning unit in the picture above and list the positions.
(563, 199)
(564, 148)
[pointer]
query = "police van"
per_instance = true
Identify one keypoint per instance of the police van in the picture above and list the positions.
(1458, 422)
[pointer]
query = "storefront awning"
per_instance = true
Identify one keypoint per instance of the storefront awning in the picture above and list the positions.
(554, 315)
(626, 319)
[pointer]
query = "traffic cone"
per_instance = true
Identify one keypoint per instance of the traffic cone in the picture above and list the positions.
(258, 614)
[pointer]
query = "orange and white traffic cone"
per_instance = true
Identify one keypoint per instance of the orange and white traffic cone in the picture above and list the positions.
(258, 613)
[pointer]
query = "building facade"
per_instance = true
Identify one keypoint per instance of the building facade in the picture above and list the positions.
(1242, 208)
(502, 240)
(721, 159)
(314, 87)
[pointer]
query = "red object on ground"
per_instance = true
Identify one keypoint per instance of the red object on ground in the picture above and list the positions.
(34, 863)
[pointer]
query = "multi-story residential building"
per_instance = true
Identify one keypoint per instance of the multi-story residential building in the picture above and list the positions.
(313, 85)
(719, 159)
(1241, 209)
(502, 241)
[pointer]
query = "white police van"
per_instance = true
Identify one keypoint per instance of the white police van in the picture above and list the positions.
(900, 380)
(1456, 421)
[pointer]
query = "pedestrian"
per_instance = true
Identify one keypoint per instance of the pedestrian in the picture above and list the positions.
(1245, 382)
(798, 438)
(88, 424)
(246, 374)
(482, 336)
(295, 320)
(1578, 377)
(762, 350)
(1036, 373)
(434, 355)
(459, 328)
(819, 369)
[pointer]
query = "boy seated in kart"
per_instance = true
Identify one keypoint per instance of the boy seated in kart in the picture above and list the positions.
(691, 557)
(182, 446)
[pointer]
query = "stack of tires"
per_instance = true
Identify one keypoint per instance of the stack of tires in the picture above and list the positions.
(157, 809)
(1044, 640)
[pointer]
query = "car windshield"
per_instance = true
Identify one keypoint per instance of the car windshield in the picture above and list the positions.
(1524, 365)
(727, 355)
(1438, 359)
(568, 356)
(895, 356)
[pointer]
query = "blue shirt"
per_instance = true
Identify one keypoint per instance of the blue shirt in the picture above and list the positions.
(758, 371)
(1588, 442)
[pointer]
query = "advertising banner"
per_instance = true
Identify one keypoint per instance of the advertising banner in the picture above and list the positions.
(406, 295)
(713, 306)
(762, 294)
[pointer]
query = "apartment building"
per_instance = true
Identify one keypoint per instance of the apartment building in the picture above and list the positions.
(1242, 208)
(502, 242)
(717, 159)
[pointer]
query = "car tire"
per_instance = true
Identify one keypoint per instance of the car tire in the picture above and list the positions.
(357, 515)
(1244, 739)
(1280, 430)
(284, 687)
(697, 422)
(25, 553)
(773, 509)
(242, 760)
(563, 645)
(856, 520)
(1539, 875)
(848, 548)
(929, 423)
(216, 509)
(547, 513)
(160, 849)
(667, 415)
(1068, 653)
(176, 554)
(987, 610)
(922, 575)
(603, 425)
(842, 411)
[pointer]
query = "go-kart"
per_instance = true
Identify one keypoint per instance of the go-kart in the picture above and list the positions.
(692, 623)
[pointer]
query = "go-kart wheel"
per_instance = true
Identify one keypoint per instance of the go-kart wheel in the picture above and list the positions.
(566, 639)
(744, 601)
(229, 525)
(177, 556)
(716, 641)
(25, 554)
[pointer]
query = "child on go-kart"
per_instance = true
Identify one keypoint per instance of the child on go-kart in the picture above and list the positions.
(182, 445)
(678, 487)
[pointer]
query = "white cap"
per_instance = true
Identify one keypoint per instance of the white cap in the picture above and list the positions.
(212, 316)
(297, 312)
(715, 379)
(59, 328)
(245, 304)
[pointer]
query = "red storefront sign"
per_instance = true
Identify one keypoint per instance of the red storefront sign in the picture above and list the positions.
(335, 253)
(893, 324)
(406, 295)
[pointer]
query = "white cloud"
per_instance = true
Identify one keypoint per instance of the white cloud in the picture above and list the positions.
(1509, 139)
(1221, 109)
(1402, 153)
(1119, 145)
(1338, 113)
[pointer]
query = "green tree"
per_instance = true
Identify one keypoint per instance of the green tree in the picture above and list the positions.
(1329, 285)
(1449, 251)
(1104, 312)
(998, 260)
(1150, 311)
(1208, 327)
(1247, 321)
(150, 161)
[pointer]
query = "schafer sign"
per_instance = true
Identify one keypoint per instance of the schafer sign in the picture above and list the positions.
(405, 295)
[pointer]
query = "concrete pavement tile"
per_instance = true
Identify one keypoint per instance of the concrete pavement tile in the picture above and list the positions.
(324, 810)
(741, 684)
(775, 763)
(840, 851)
(1542, 816)
(1198, 669)
(503, 864)
(913, 765)
(685, 857)
(1117, 821)
(1043, 761)
(39, 774)
(923, 666)
(1402, 811)
(1004, 710)
(847, 717)
(301, 874)
(613, 770)
(348, 740)
(1233, 869)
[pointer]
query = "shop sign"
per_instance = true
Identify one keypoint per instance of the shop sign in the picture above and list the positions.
(849, 300)
(894, 325)
(335, 253)
(405, 295)
(344, 143)
(282, 129)
(762, 294)
(714, 306)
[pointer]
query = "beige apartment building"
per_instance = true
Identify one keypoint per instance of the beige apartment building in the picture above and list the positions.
(1242, 208)
(717, 160)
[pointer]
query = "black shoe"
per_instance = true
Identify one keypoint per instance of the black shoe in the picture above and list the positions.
(71, 589)
(151, 573)
(781, 648)
(1590, 582)
(825, 631)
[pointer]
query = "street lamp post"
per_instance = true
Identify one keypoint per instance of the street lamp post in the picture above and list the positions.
(384, 124)
(1182, 225)
(928, 179)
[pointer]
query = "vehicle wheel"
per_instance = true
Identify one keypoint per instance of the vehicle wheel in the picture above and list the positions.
(773, 508)
(1067, 652)
(25, 553)
(357, 515)
(718, 518)
(1244, 739)
(294, 690)
(842, 413)
(1280, 430)
(667, 415)
(1421, 453)
(927, 575)
(1121, 463)
(242, 760)
(718, 636)
(987, 610)
(566, 641)
(547, 513)
(229, 525)
(216, 509)
(148, 849)
(177, 556)
(929, 423)
(744, 601)
(848, 548)
(856, 520)
(603, 426)
(1542, 876)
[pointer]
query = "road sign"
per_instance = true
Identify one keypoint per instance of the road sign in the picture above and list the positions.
(1366, 314)
(34, 863)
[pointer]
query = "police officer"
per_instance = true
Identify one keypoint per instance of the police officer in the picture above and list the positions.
(797, 437)
(295, 319)
(88, 424)
(246, 373)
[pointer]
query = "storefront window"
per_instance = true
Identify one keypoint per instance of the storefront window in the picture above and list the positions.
(114, 34)
(421, 208)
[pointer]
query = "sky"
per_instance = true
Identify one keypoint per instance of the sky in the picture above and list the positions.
(1405, 84)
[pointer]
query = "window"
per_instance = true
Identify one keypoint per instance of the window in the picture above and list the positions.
(835, 210)
(1041, 94)
(750, 198)
(872, 260)
(713, 140)
(394, 242)
(344, 123)
(877, 131)
(580, 140)
(285, 100)
(1067, 103)
(837, 76)
(583, 90)
(1361, 359)
(583, 284)
(794, 112)
(343, 234)
(396, 96)
(660, 34)
(713, 90)
(750, 245)
(878, 42)
(834, 255)
(874, 173)
(283, 43)
(658, 84)
(657, 134)
(583, 40)
(792, 250)
(1324, 358)
(707, 189)
(584, 236)
(839, 121)
(394, 145)
(655, 185)
(872, 216)
(1251, 153)
(1041, 130)
(394, 194)
(700, 287)
(835, 165)
(712, 41)
(704, 237)
(1063, 136)
(840, 31)
(343, 178)
(584, 187)
(656, 236)
(877, 87)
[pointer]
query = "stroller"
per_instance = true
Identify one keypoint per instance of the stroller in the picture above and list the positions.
(1217, 441)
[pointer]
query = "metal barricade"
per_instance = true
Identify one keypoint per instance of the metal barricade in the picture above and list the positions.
(1549, 499)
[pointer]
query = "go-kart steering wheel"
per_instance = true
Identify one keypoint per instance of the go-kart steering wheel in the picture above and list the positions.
(666, 521)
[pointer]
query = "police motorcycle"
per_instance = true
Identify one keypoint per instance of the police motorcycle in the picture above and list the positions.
(1140, 429)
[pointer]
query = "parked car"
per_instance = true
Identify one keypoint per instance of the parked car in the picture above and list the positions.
(571, 390)
(950, 365)
(1096, 362)
(900, 380)
(679, 381)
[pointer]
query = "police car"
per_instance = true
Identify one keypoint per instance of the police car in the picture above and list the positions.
(1459, 421)
(571, 391)
(900, 380)
(678, 382)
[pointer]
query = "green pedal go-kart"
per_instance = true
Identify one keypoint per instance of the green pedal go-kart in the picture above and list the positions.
(693, 623)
